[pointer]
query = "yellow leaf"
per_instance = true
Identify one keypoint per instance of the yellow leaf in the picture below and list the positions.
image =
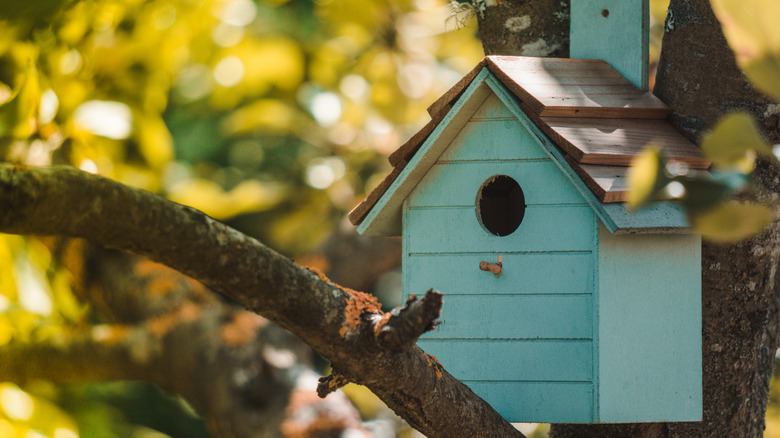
(268, 115)
(732, 221)
(646, 177)
(154, 140)
(18, 114)
(210, 198)
(750, 26)
(735, 142)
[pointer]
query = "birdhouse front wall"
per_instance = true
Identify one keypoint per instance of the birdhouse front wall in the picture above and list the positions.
(524, 340)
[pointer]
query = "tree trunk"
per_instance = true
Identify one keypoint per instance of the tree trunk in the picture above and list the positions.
(699, 79)
(525, 28)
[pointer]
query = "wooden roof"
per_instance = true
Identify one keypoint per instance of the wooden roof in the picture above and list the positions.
(598, 119)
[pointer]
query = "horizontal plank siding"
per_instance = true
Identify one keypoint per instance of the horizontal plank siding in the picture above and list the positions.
(514, 317)
(521, 402)
(523, 273)
(536, 360)
(457, 183)
(544, 228)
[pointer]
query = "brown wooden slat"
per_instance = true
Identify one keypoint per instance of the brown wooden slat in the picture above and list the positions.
(360, 211)
(585, 77)
(442, 103)
(608, 183)
(528, 80)
(408, 149)
(618, 142)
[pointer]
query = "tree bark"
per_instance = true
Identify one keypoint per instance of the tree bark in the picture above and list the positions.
(347, 327)
(699, 79)
(245, 376)
(525, 28)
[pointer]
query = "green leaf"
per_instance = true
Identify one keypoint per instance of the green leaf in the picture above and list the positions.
(732, 221)
(703, 193)
(750, 26)
(646, 177)
(735, 142)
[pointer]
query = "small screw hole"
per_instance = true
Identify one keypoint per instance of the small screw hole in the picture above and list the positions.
(605, 13)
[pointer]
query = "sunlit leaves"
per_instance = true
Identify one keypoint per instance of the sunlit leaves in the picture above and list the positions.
(732, 146)
(732, 221)
(735, 143)
(23, 414)
(646, 177)
(210, 198)
(264, 115)
(154, 140)
(18, 115)
(751, 29)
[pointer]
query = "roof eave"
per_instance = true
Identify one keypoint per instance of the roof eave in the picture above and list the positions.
(384, 218)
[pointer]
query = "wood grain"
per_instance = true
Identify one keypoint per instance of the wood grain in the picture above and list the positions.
(608, 183)
(549, 87)
(618, 141)
(440, 105)
(408, 149)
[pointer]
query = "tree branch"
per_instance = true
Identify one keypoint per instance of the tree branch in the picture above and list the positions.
(338, 323)
(104, 353)
(258, 373)
(399, 330)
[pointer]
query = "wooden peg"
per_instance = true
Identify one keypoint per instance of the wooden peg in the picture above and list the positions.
(495, 268)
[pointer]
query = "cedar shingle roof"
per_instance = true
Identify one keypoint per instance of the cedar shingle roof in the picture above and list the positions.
(595, 116)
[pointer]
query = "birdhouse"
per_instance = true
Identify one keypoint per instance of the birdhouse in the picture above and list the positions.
(560, 305)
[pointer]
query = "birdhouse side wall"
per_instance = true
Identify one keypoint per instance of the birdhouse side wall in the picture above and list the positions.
(650, 327)
(522, 341)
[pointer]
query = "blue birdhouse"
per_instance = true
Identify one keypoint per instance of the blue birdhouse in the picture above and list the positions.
(560, 305)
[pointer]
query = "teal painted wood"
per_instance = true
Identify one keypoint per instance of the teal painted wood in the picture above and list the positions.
(531, 402)
(493, 360)
(492, 109)
(457, 183)
(661, 217)
(615, 31)
(579, 321)
(595, 315)
(511, 102)
(495, 140)
(384, 219)
(515, 317)
(544, 228)
(524, 273)
(649, 309)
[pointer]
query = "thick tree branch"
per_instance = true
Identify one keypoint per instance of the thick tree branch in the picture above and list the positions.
(338, 323)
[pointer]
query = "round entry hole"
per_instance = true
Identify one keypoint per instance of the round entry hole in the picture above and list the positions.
(500, 205)
(605, 13)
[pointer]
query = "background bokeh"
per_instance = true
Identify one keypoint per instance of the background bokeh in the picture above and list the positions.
(274, 116)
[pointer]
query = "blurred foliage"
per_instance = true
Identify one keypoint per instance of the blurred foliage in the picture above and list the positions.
(734, 144)
(275, 116)
(751, 29)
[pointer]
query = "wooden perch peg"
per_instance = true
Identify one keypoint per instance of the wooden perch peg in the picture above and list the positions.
(495, 268)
